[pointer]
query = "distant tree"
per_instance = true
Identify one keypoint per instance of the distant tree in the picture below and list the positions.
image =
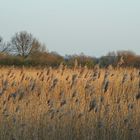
(109, 59)
(37, 47)
(81, 60)
(1, 39)
(21, 43)
(128, 59)
(4, 47)
(24, 44)
(125, 58)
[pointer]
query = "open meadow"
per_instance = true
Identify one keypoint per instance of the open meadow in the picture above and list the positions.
(69, 104)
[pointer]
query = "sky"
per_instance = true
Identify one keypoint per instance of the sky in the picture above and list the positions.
(92, 27)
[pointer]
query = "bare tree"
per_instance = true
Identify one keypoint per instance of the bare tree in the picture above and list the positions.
(4, 47)
(37, 47)
(24, 44)
(21, 43)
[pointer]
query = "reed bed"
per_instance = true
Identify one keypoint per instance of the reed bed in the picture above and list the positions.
(69, 104)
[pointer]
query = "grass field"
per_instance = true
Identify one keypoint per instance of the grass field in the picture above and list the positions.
(69, 104)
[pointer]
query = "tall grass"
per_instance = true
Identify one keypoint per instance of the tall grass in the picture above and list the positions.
(69, 104)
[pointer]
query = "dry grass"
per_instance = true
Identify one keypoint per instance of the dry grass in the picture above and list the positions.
(66, 104)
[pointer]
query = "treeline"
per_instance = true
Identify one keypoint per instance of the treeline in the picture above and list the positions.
(25, 50)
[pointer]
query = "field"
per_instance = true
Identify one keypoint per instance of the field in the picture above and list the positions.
(69, 104)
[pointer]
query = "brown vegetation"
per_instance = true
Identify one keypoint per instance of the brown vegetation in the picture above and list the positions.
(25, 50)
(70, 104)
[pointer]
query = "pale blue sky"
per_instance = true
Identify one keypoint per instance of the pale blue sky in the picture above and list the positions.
(93, 27)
